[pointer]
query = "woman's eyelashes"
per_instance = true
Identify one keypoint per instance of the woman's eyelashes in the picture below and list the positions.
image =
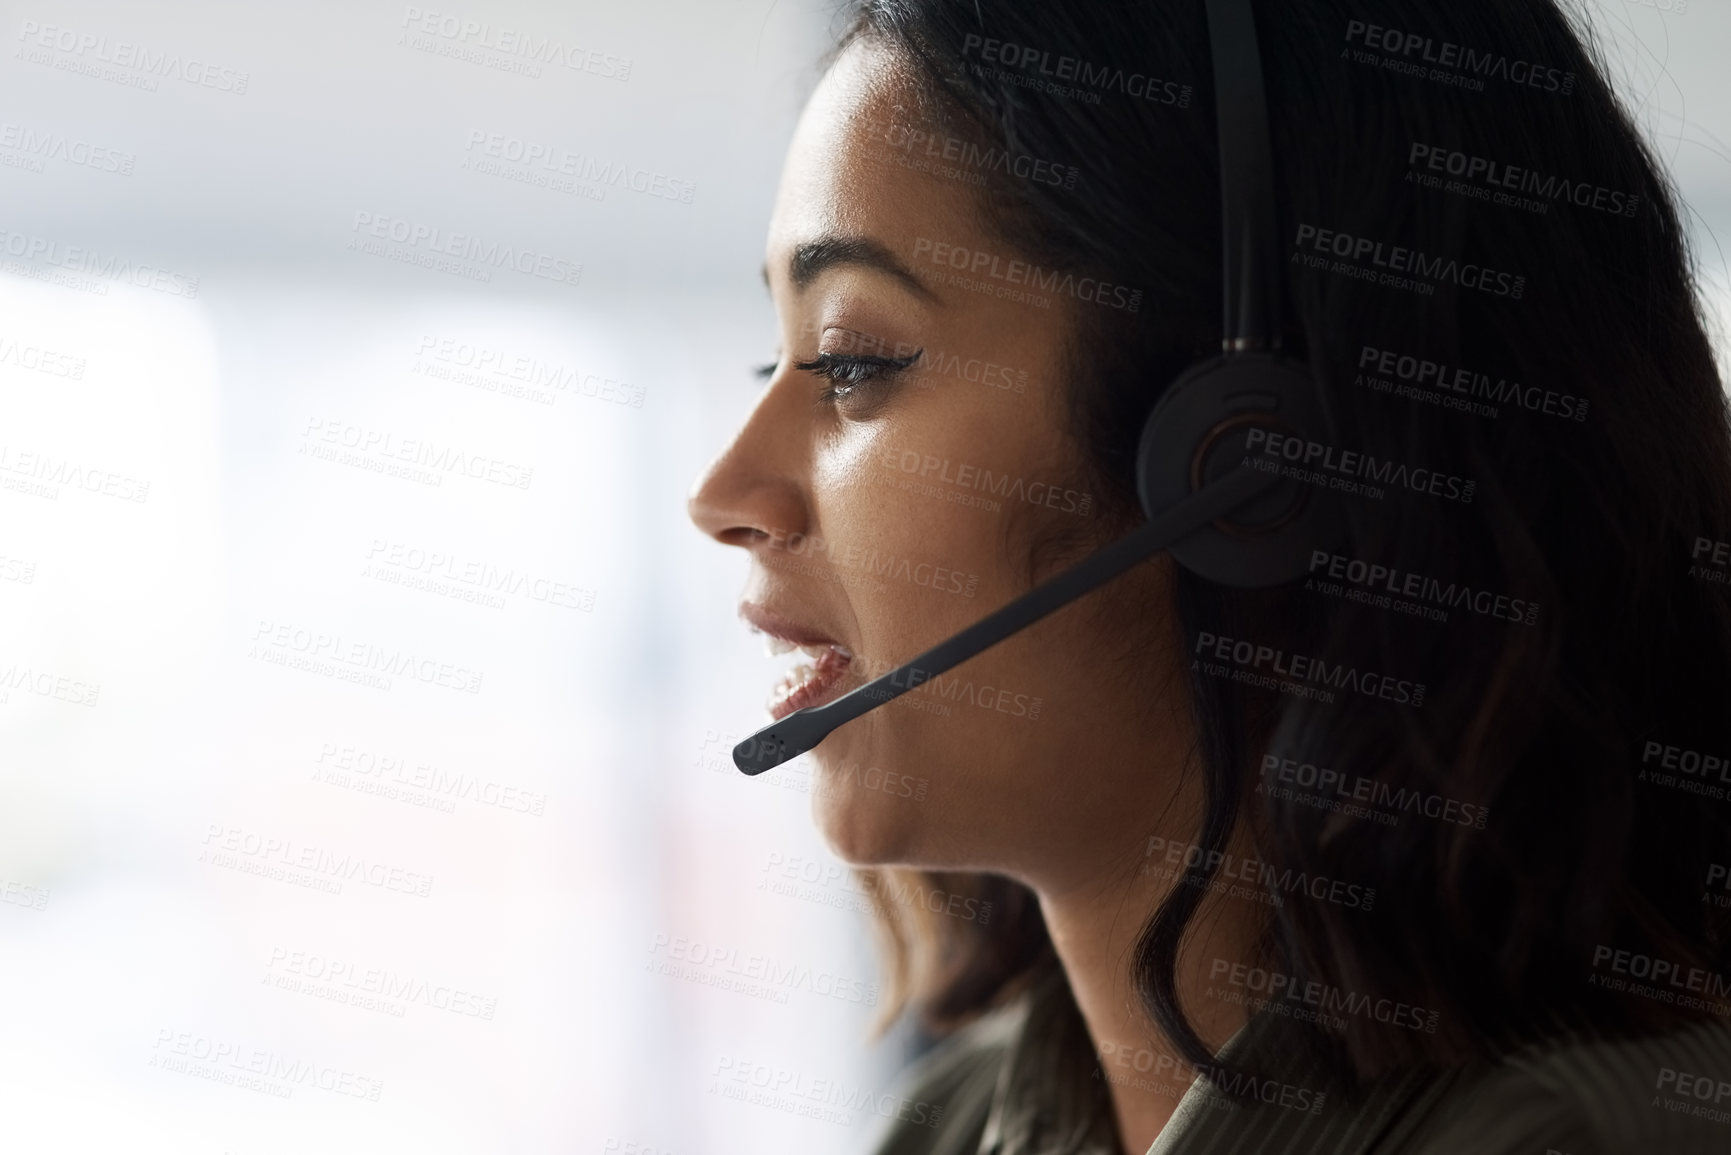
(849, 373)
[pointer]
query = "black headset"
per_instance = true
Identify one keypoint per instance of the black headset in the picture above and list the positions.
(1219, 516)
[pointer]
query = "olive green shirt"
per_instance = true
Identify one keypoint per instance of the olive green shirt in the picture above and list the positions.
(1024, 1081)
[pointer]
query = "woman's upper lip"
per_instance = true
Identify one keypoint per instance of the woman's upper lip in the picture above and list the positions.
(767, 621)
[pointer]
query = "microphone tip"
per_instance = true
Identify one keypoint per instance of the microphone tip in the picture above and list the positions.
(760, 752)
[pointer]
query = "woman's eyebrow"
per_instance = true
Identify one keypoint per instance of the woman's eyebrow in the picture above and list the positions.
(814, 258)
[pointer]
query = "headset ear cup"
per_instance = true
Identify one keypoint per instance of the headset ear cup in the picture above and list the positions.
(1206, 425)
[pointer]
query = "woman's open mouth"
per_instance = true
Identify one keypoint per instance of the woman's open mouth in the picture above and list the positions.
(809, 683)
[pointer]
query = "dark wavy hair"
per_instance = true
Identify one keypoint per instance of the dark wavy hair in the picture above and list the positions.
(1594, 520)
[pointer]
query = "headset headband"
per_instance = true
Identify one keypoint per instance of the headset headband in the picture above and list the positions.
(1251, 274)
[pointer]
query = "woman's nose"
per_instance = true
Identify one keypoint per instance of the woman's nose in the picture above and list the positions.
(757, 485)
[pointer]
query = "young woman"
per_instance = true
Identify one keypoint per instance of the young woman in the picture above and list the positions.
(1422, 851)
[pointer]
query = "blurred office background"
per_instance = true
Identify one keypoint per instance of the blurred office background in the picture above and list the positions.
(353, 802)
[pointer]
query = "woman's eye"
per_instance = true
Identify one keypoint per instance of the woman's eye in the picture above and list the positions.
(846, 373)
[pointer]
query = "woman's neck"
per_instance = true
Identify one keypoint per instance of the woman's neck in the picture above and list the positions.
(1094, 927)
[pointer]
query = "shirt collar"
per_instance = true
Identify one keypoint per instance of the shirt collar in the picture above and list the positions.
(1294, 1104)
(1050, 1098)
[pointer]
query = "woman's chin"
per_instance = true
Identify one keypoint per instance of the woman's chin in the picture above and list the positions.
(863, 830)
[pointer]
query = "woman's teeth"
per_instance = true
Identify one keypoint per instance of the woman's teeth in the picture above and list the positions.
(775, 647)
(811, 681)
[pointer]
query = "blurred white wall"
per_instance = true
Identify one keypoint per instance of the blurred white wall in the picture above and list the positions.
(256, 895)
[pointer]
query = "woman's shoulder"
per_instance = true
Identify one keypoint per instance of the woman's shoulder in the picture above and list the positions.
(1665, 1094)
(948, 1091)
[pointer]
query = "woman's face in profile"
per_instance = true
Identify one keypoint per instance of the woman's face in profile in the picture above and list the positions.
(915, 474)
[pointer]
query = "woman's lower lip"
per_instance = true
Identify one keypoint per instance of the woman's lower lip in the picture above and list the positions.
(798, 692)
